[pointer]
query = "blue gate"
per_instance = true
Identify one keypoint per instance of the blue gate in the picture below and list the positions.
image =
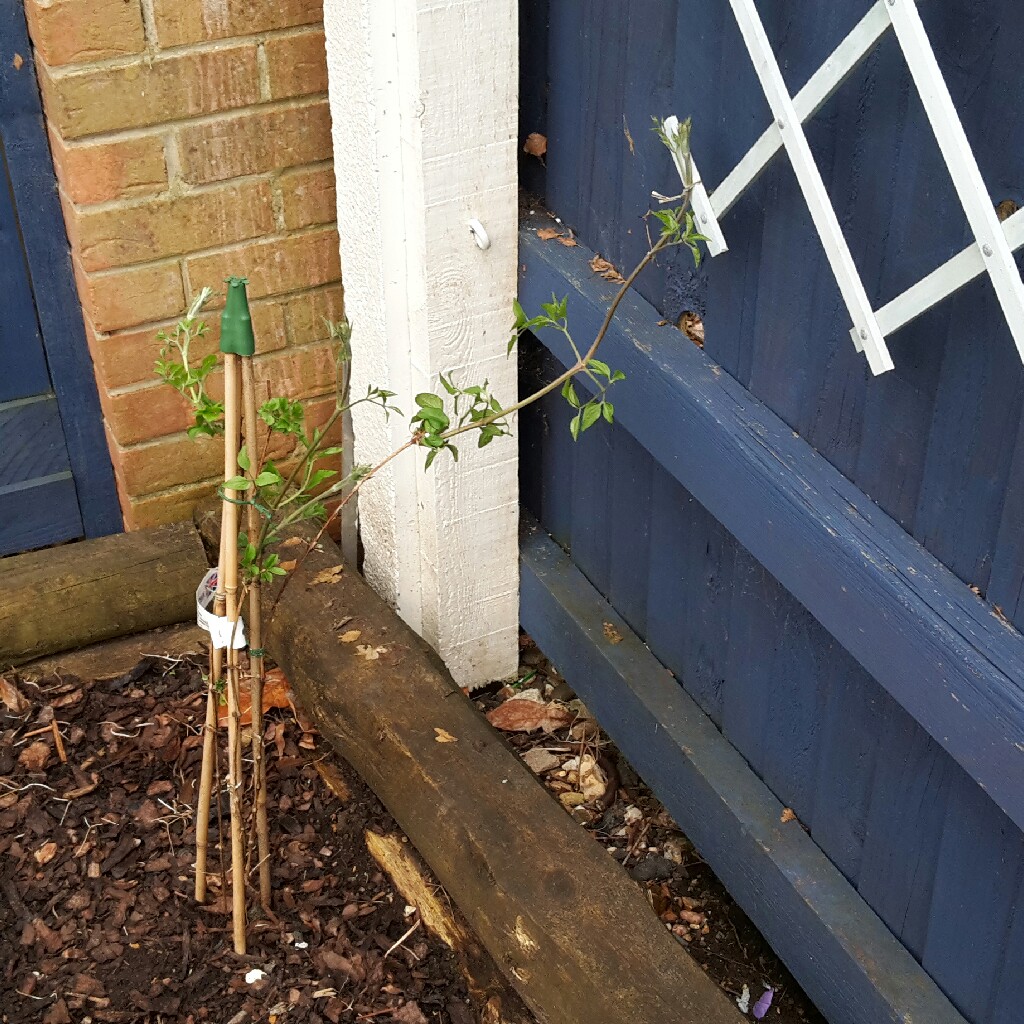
(818, 572)
(56, 482)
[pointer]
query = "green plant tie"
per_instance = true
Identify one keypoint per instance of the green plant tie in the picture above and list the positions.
(235, 322)
(256, 652)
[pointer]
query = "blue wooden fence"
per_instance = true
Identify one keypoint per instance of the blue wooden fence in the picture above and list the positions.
(795, 539)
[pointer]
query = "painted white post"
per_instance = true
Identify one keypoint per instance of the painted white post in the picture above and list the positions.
(424, 100)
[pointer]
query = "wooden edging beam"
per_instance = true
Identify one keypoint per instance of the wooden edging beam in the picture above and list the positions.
(842, 954)
(572, 933)
(941, 652)
(71, 596)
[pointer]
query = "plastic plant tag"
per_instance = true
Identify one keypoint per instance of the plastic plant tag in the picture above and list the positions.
(218, 626)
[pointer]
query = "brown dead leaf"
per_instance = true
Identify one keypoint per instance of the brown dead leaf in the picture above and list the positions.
(599, 265)
(521, 714)
(369, 652)
(611, 634)
(536, 144)
(569, 243)
(331, 575)
(45, 853)
(443, 736)
(289, 565)
(351, 636)
(546, 234)
(276, 694)
(11, 696)
(291, 542)
(18, 63)
(34, 757)
(692, 326)
(788, 814)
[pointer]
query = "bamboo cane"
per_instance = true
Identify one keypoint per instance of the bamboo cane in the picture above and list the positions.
(209, 739)
(229, 563)
(256, 665)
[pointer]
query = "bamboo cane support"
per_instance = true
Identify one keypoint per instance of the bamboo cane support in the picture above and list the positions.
(256, 665)
(229, 564)
(209, 739)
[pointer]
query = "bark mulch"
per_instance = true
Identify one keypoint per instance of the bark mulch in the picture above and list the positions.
(97, 919)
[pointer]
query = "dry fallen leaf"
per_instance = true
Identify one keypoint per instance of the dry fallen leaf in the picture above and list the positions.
(289, 565)
(607, 270)
(291, 542)
(443, 736)
(18, 63)
(11, 696)
(331, 575)
(34, 757)
(539, 760)
(369, 652)
(351, 636)
(611, 634)
(524, 714)
(692, 326)
(569, 243)
(276, 694)
(536, 144)
(787, 815)
(545, 234)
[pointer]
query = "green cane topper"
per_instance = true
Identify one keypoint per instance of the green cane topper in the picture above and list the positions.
(235, 323)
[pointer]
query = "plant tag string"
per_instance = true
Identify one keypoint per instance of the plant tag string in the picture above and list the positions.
(218, 626)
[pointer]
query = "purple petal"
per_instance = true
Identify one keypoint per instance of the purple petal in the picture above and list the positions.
(763, 1004)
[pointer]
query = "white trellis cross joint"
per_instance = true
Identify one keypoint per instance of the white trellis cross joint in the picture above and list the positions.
(995, 243)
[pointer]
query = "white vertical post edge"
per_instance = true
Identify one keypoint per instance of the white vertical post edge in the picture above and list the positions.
(424, 103)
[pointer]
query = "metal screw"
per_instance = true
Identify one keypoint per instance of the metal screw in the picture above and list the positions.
(863, 335)
(892, 3)
(987, 250)
(703, 218)
(781, 124)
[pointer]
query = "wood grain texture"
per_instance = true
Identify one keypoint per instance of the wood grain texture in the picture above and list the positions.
(937, 649)
(841, 953)
(572, 933)
(69, 597)
(41, 223)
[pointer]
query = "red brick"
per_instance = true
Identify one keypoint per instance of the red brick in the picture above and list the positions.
(143, 93)
(192, 21)
(79, 31)
(170, 226)
(126, 298)
(171, 506)
(276, 266)
(253, 143)
(146, 413)
(308, 197)
(297, 64)
(298, 373)
(305, 314)
(111, 170)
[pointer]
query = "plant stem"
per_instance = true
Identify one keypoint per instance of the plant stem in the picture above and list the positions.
(259, 769)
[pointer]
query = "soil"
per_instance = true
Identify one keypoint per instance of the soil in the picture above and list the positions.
(97, 919)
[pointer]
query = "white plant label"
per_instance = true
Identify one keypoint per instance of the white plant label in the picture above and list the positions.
(218, 626)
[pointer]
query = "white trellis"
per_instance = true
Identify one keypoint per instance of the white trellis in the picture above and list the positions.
(995, 242)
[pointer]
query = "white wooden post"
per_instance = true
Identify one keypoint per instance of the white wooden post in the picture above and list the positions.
(424, 100)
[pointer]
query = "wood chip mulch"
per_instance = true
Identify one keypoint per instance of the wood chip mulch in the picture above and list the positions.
(97, 919)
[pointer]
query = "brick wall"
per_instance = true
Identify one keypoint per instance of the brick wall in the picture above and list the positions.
(191, 140)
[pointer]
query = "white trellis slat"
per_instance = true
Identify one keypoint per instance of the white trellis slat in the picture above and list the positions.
(995, 243)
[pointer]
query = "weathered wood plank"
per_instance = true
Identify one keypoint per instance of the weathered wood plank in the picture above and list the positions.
(38, 512)
(841, 953)
(575, 937)
(938, 649)
(68, 597)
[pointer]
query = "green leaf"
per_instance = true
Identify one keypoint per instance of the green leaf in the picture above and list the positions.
(428, 400)
(320, 476)
(268, 477)
(569, 393)
(431, 455)
(236, 483)
(574, 426)
(591, 414)
(447, 384)
(617, 376)
(243, 459)
(608, 410)
(598, 367)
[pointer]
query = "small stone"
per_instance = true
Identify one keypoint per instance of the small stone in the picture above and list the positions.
(652, 869)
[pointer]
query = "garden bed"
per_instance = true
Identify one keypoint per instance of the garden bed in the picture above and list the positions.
(96, 855)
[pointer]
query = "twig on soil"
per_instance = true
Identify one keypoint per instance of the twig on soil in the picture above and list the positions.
(395, 945)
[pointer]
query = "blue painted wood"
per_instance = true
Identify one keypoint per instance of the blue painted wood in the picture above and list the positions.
(1006, 583)
(22, 362)
(33, 442)
(904, 826)
(591, 507)
(49, 263)
(978, 875)
(839, 951)
(1006, 1004)
(23, 527)
(931, 643)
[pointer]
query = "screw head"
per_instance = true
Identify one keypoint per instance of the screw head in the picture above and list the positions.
(781, 123)
(892, 3)
(863, 335)
(987, 250)
(703, 218)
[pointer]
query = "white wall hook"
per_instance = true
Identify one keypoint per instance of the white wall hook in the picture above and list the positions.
(480, 235)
